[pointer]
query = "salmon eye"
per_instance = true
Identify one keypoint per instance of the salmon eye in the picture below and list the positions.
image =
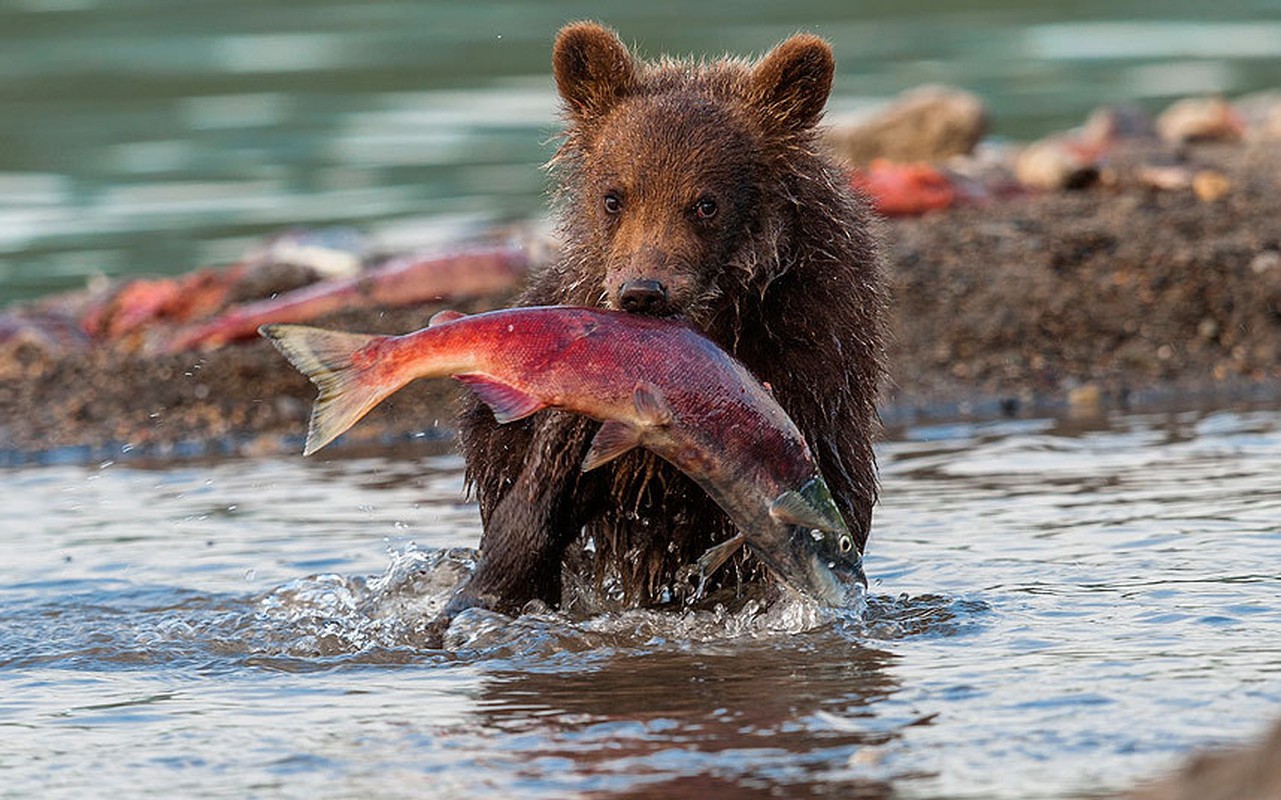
(705, 208)
(613, 203)
(845, 543)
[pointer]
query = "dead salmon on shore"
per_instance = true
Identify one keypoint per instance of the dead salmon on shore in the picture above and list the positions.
(652, 383)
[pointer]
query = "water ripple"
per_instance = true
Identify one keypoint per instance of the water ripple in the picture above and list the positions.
(1054, 611)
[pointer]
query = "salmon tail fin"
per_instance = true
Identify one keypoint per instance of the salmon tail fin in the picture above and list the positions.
(348, 390)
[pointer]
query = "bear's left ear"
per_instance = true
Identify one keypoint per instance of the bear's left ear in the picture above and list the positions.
(593, 68)
(791, 83)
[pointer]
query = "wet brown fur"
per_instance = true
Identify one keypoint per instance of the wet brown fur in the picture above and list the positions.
(785, 274)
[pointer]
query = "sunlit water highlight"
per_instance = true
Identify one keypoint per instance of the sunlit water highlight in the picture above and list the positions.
(1055, 609)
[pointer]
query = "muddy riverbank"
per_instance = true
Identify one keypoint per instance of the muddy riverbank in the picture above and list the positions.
(1109, 295)
(1121, 294)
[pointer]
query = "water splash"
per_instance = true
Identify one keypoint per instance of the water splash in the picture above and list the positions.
(332, 614)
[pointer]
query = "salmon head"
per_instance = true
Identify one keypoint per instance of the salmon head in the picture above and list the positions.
(813, 549)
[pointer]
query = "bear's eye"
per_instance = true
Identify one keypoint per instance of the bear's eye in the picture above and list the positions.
(705, 208)
(613, 203)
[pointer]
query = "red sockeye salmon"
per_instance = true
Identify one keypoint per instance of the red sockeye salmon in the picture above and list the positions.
(652, 383)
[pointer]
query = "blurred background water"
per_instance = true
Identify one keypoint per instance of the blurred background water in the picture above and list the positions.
(144, 136)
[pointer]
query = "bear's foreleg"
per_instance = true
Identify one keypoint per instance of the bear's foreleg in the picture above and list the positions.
(532, 516)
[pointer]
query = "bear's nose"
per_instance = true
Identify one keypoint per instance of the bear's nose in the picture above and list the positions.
(642, 296)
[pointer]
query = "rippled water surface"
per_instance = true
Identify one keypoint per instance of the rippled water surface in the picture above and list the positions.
(154, 136)
(1056, 609)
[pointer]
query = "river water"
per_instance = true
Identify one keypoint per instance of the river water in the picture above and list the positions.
(153, 136)
(1057, 608)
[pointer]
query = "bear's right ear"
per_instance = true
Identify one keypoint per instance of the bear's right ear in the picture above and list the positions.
(593, 68)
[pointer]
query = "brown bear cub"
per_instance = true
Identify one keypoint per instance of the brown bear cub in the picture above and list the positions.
(698, 191)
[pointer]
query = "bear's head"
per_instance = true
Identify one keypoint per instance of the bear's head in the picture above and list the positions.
(680, 176)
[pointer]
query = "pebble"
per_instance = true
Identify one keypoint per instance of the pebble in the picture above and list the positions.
(1210, 185)
(1208, 329)
(1055, 163)
(1200, 119)
(929, 123)
(1261, 113)
(1266, 261)
(1166, 177)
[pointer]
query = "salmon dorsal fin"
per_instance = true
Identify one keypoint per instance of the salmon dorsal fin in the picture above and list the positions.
(650, 405)
(612, 440)
(792, 508)
(507, 402)
(441, 317)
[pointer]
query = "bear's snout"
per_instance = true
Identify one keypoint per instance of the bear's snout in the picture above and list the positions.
(643, 296)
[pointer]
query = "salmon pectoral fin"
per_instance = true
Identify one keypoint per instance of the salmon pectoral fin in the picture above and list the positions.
(506, 401)
(716, 556)
(650, 404)
(612, 440)
(791, 508)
